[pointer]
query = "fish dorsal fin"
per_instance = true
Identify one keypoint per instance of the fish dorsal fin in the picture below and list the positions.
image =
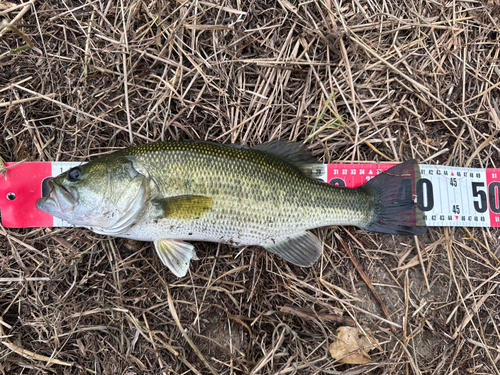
(187, 207)
(176, 255)
(302, 250)
(295, 153)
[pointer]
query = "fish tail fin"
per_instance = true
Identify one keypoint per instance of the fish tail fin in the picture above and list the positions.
(395, 209)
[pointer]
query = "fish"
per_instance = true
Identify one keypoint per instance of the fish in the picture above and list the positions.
(177, 191)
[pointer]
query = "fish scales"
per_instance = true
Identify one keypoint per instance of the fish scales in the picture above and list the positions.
(175, 191)
(256, 196)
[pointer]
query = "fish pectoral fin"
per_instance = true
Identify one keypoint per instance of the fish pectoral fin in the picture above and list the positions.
(302, 250)
(176, 255)
(187, 207)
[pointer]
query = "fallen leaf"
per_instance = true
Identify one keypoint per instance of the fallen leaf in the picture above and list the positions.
(352, 346)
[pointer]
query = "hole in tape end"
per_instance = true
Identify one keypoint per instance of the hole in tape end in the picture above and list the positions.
(11, 196)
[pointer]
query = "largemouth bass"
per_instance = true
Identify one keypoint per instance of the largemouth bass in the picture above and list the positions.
(199, 191)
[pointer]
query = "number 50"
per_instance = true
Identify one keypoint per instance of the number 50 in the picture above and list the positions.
(493, 193)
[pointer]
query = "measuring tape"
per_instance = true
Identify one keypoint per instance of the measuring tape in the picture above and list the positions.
(19, 191)
(448, 196)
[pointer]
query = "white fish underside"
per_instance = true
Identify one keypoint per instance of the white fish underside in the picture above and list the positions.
(225, 225)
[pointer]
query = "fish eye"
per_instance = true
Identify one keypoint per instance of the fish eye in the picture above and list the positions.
(74, 174)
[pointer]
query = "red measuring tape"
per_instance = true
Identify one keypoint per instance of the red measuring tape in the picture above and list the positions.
(448, 196)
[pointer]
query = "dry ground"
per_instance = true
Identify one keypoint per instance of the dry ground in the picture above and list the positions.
(360, 80)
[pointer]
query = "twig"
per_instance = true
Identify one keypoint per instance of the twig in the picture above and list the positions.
(366, 280)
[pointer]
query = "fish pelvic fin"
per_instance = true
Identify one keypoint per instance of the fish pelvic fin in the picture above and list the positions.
(302, 250)
(394, 192)
(176, 255)
(187, 207)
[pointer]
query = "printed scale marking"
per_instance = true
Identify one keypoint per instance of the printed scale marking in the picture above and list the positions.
(448, 196)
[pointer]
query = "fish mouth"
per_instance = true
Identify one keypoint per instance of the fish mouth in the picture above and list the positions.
(61, 199)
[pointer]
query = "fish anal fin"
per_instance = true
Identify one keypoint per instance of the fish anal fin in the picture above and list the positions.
(176, 255)
(302, 250)
(187, 207)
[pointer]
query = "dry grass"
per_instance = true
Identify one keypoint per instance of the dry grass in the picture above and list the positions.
(360, 81)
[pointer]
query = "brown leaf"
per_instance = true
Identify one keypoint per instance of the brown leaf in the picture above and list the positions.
(352, 346)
